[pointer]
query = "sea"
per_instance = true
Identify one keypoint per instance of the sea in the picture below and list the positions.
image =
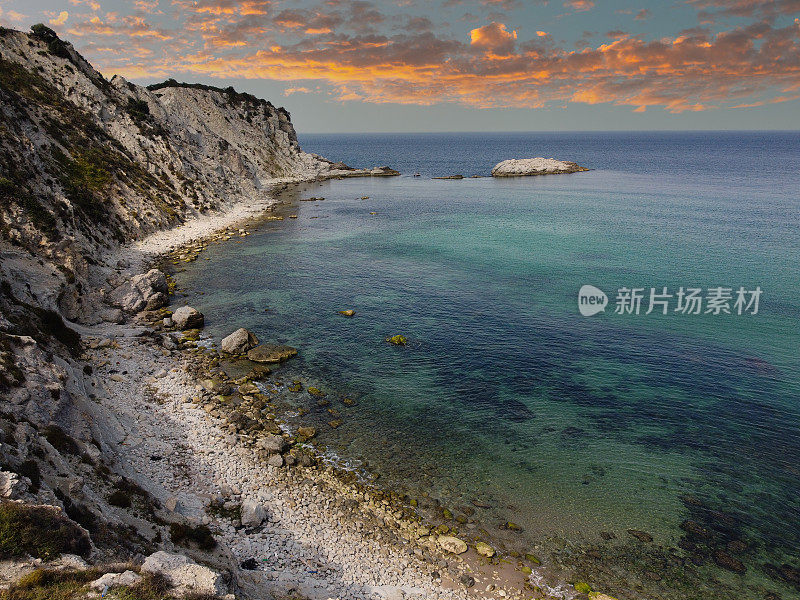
(650, 448)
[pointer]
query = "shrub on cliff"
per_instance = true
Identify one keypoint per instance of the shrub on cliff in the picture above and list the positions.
(55, 45)
(43, 532)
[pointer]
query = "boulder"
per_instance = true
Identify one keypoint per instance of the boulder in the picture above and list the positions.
(273, 444)
(187, 317)
(484, 549)
(270, 353)
(521, 167)
(127, 578)
(13, 486)
(253, 513)
(146, 291)
(452, 544)
(185, 575)
(239, 342)
(307, 432)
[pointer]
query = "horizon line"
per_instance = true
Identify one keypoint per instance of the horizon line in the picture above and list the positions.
(548, 131)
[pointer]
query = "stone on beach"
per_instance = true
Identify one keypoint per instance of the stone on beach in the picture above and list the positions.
(253, 513)
(185, 575)
(484, 549)
(520, 167)
(239, 342)
(271, 353)
(187, 317)
(273, 444)
(452, 544)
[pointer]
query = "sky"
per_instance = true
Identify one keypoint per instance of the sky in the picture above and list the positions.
(458, 65)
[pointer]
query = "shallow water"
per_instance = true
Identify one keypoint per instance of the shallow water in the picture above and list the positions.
(506, 396)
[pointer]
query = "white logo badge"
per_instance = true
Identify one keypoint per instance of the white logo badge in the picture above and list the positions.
(591, 300)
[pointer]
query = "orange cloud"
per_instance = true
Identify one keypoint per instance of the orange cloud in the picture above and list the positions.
(492, 36)
(579, 5)
(335, 49)
(60, 19)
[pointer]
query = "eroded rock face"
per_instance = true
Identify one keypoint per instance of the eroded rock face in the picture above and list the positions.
(521, 167)
(147, 291)
(239, 342)
(187, 317)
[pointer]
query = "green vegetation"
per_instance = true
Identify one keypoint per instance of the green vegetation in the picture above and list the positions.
(53, 325)
(47, 584)
(234, 97)
(41, 532)
(30, 469)
(201, 536)
(138, 109)
(55, 45)
(60, 440)
(120, 499)
(51, 584)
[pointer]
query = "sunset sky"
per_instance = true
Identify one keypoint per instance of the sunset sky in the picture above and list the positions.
(459, 65)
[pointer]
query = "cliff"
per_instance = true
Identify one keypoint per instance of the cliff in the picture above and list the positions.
(88, 165)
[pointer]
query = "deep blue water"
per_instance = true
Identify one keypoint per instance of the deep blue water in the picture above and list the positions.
(570, 426)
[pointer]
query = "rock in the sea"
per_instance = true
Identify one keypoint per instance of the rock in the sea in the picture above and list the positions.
(347, 313)
(307, 432)
(384, 172)
(145, 291)
(484, 549)
(253, 513)
(519, 167)
(271, 353)
(187, 317)
(239, 342)
(397, 340)
(185, 575)
(452, 544)
(642, 536)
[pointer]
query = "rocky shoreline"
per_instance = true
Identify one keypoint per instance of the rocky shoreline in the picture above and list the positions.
(184, 448)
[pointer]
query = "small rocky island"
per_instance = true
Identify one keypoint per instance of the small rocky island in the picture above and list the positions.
(521, 167)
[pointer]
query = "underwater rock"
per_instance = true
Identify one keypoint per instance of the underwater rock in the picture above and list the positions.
(726, 561)
(642, 536)
(271, 353)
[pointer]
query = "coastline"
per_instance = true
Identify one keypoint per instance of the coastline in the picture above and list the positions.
(363, 543)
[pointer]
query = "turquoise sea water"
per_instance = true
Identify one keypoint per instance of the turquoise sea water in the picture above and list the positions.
(507, 401)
